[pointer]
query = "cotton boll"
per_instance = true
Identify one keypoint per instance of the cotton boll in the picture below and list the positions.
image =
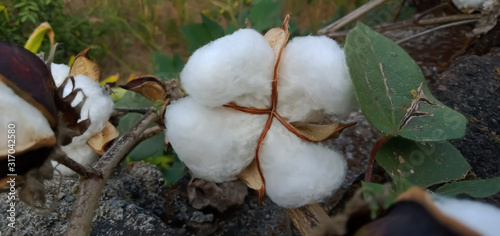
(298, 173)
(98, 105)
(79, 152)
(313, 77)
(59, 73)
(215, 143)
(235, 68)
(478, 216)
(30, 125)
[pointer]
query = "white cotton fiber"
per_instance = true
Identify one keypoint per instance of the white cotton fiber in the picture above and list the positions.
(297, 172)
(59, 73)
(313, 77)
(235, 68)
(30, 125)
(79, 152)
(481, 217)
(464, 4)
(98, 105)
(215, 143)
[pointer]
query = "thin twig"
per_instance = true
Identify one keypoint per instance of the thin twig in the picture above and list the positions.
(436, 28)
(410, 23)
(373, 153)
(90, 189)
(350, 17)
(83, 171)
(150, 132)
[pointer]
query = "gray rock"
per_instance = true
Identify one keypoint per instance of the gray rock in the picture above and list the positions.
(132, 203)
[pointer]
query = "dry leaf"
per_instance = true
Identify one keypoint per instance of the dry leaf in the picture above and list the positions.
(251, 177)
(318, 133)
(99, 141)
(148, 86)
(488, 19)
(202, 193)
(84, 66)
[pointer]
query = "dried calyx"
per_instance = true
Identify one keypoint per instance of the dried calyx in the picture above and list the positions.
(258, 98)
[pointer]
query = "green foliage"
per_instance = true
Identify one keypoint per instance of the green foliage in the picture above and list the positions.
(21, 17)
(371, 191)
(474, 188)
(168, 67)
(265, 14)
(392, 91)
(395, 99)
(422, 164)
(199, 34)
(151, 150)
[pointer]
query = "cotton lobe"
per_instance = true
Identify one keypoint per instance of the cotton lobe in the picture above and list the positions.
(30, 125)
(216, 142)
(97, 107)
(481, 217)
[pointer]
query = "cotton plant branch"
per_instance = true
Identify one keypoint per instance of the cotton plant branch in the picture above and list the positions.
(90, 189)
(350, 17)
(60, 156)
(408, 23)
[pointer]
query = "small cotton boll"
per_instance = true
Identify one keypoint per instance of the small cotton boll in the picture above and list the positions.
(216, 144)
(314, 77)
(235, 68)
(30, 125)
(98, 105)
(79, 152)
(59, 73)
(481, 217)
(298, 173)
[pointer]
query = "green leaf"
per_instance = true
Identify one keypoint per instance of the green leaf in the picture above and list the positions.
(392, 91)
(199, 34)
(175, 172)
(265, 14)
(151, 147)
(167, 67)
(422, 164)
(475, 188)
(372, 190)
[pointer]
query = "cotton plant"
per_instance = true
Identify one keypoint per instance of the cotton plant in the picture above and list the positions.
(97, 108)
(253, 109)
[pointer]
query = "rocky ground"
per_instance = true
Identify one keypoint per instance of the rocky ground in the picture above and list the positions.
(136, 201)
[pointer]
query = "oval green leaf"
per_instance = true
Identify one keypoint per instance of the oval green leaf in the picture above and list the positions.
(422, 164)
(392, 91)
(475, 188)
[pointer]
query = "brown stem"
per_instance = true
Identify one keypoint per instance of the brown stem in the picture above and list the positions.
(83, 171)
(90, 189)
(350, 17)
(373, 153)
(307, 217)
(409, 23)
(150, 132)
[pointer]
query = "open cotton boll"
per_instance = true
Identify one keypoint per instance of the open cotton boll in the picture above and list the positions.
(98, 105)
(31, 127)
(235, 68)
(298, 173)
(215, 143)
(314, 77)
(481, 217)
(79, 152)
(59, 73)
